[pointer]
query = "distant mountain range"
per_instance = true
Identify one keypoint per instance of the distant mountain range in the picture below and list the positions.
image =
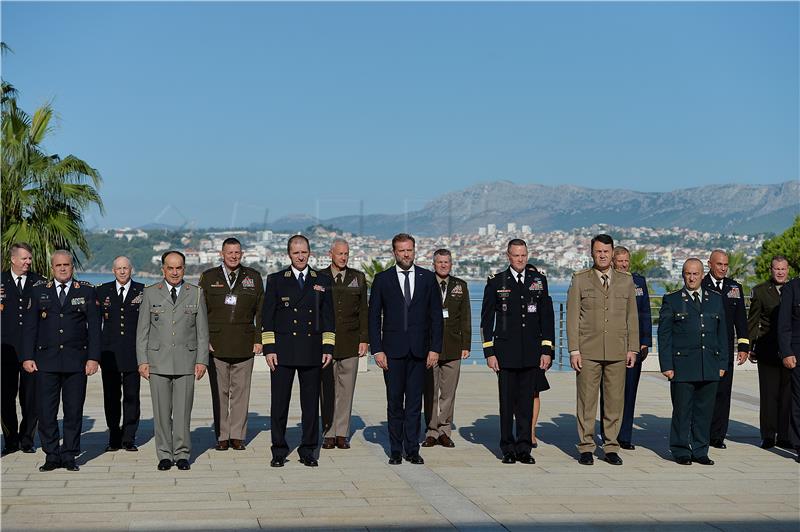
(714, 208)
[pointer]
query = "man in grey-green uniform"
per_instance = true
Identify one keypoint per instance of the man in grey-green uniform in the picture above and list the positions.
(693, 353)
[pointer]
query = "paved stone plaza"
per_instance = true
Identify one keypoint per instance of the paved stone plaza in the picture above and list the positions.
(462, 488)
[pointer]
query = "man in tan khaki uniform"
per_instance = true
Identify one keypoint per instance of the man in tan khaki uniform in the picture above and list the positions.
(603, 338)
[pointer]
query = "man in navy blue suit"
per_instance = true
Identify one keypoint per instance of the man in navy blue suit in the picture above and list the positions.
(405, 336)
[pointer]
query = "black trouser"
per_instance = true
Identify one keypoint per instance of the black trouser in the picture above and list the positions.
(794, 423)
(121, 386)
(281, 381)
(722, 405)
(327, 394)
(50, 389)
(405, 382)
(13, 380)
(692, 404)
(516, 404)
(775, 393)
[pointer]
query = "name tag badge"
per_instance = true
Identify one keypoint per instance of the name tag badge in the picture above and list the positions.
(532, 307)
(230, 299)
(445, 313)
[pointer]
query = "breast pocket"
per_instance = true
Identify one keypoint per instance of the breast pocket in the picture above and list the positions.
(589, 297)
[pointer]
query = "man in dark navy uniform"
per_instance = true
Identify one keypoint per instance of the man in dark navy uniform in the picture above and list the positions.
(789, 345)
(298, 337)
(61, 342)
(693, 351)
(736, 323)
(517, 331)
(17, 284)
(119, 303)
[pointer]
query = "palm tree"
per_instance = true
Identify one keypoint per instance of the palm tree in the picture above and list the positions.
(640, 263)
(374, 267)
(43, 195)
(740, 268)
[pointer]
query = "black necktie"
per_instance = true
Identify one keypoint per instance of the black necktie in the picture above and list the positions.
(174, 294)
(121, 294)
(605, 281)
(519, 278)
(444, 288)
(696, 297)
(301, 281)
(63, 294)
(406, 288)
(19, 284)
(339, 278)
(719, 286)
(232, 278)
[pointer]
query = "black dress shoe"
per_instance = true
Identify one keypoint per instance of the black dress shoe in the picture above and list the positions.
(797, 457)
(415, 459)
(110, 448)
(613, 459)
(509, 458)
(70, 465)
(627, 446)
(9, 449)
(767, 443)
(183, 464)
(309, 461)
(703, 460)
(586, 459)
(525, 458)
(28, 449)
(395, 459)
(277, 462)
(130, 447)
(49, 466)
(165, 465)
(684, 460)
(783, 444)
(718, 444)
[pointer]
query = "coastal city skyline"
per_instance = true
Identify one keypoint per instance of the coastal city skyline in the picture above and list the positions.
(227, 109)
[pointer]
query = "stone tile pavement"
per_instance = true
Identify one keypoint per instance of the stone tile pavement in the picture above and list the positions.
(462, 488)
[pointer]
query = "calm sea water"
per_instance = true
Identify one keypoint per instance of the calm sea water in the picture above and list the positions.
(558, 291)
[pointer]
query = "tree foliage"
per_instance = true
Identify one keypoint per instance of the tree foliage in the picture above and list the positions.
(44, 195)
(374, 267)
(786, 244)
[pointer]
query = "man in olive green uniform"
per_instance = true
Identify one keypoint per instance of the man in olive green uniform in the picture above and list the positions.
(352, 336)
(603, 338)
(774, 380)
(234, 297)
(693, 353)
(442, 379)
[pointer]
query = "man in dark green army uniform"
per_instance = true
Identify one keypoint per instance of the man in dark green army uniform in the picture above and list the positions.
(693, 353)
(234, 297)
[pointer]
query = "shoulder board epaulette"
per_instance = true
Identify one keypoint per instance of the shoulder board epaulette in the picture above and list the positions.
(674, 291)
(288, 273)
(531, 267)
(158, 285)
(50, 284)
(85, 283)
(41, 282)
(626, 273)
(582, 271)
(313, 273)
(491, 276)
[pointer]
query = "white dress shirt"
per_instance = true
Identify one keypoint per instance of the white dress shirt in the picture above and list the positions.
(401, 278)
(126, 286)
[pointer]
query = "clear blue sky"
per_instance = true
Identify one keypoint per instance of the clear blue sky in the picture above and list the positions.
(290, 106)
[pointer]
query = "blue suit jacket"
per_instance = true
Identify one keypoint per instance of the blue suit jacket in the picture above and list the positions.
(396, 332)
(643, 307)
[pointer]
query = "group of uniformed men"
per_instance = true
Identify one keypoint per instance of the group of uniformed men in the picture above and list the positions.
(417, 324)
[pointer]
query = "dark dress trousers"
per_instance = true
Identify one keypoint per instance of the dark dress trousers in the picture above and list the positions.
(119, 369)
(774, 380)
(14, 379)
(405, 333)
(736, 327)
(298, 325)
(789, 345)
(61, 339)
(692, 342)
(517, 327)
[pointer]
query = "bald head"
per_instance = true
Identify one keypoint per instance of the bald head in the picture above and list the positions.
(718, 264)
(122, 269)
(692, 273)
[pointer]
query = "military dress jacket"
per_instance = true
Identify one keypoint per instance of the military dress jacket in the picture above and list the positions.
(234, 313)
(172, 337)
(298, 324)
(692, 338)
(61, 338)
(735, 313)
(789, 320)
(119, 326)
(12, 309)
(517, 323)
(603, 324)
(457, 316)
(762, 322)
(350, 312)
